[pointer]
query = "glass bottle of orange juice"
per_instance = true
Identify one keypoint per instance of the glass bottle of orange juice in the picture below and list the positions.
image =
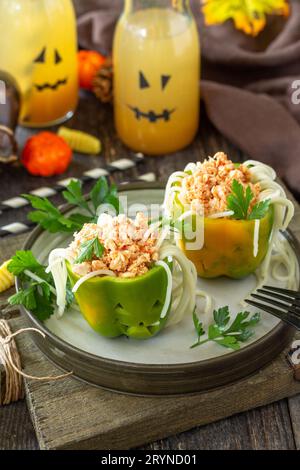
(156, 58)
(38, 47)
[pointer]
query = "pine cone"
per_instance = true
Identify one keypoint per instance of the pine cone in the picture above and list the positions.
(103, 82)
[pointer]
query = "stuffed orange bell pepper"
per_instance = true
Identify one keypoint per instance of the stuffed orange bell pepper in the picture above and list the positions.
(228, 248)
(235, 215)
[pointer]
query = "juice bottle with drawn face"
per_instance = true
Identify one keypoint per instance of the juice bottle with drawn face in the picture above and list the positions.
(157, 73)
(39, 49)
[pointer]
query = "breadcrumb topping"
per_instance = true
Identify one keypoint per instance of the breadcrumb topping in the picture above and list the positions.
(210, 184)
(129, 249)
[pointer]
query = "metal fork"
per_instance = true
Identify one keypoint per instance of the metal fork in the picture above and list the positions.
(286, 301)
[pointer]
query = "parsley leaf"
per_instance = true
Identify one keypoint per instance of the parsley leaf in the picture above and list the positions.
(102, 193)
(25, 297)
(45, 307)
(89, 249)
(24, 264)
(52, 219)
(99, 192)
(198, 325)
(74, 196)
(37, 293)
(260, 210)
(21, 261)
(239, 202)
(37, 298)
(114, 202)
(214, 332)
(48, 216)
(79, 219)
(229, 342)
(238, 332)
(222, 317)
(240, 323)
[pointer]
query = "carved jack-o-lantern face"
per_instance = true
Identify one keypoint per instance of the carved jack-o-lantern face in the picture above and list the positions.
(151, 115)
(56, 59)
(54, 83)
(155, 103)
(39, 49)
(156, 59)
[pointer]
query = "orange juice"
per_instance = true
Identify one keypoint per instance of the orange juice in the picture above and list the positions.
(39, 49)
(157, 73)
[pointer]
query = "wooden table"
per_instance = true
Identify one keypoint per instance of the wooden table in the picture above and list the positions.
(276, 426)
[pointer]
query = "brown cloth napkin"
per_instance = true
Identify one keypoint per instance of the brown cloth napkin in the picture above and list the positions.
(247, 82)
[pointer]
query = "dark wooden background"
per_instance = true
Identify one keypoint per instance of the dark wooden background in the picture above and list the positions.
(276, 426)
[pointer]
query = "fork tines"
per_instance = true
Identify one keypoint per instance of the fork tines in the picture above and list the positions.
(286, 301)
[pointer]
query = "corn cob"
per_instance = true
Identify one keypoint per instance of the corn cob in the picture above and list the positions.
(7, 279)
(80, 141)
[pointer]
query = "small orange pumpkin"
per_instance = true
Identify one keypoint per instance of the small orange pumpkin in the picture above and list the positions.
(89, 62)
(46, 154)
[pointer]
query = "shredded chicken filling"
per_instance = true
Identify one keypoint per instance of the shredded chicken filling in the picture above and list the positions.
(211, 183)
(129, 249)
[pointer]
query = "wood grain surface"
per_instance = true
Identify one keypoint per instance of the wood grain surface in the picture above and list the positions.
(69, 414)
(276, 426)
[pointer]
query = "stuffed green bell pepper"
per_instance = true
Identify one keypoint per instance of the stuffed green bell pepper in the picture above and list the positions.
(121, 275)
(115, 306)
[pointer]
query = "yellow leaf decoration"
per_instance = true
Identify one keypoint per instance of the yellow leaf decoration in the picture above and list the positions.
(248, 15)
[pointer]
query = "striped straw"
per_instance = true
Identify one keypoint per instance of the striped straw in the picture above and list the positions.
(122, 164)
(17, 228)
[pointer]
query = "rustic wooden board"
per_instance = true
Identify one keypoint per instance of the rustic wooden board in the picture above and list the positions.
(267, 427)
(101, 419)
(294, 406)
(8, 247)
(72, 415)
